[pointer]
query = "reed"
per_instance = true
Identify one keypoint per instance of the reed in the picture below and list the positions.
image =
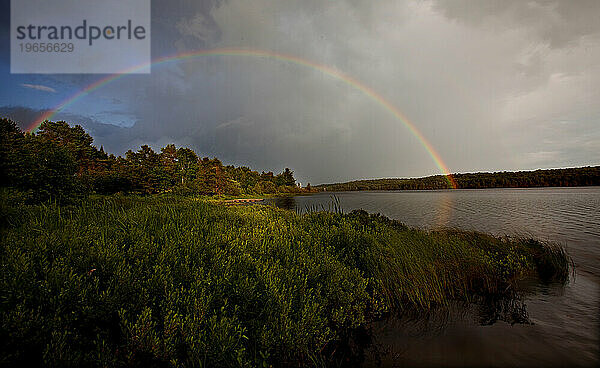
(165, 280)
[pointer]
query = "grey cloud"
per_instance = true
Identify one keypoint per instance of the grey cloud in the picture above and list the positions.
(558, 22)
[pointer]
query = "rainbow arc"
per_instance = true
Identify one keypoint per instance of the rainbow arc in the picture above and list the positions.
(334, 73)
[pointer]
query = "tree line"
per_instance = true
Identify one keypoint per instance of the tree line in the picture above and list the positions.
(60, 161)
(571, 177)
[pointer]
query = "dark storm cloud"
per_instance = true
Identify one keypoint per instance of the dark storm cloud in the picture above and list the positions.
(111, 137)
(184, 24)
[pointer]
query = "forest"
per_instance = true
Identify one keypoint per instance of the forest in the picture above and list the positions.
(571, 177)
(59, 161)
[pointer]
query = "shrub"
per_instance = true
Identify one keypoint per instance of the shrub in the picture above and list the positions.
(168, 281)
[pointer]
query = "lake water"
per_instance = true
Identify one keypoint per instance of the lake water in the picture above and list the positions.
(565, 321)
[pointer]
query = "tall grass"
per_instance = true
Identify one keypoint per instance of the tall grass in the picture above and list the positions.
(168, 281)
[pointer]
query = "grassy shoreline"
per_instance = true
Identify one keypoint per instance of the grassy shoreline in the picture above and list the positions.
(166, 280)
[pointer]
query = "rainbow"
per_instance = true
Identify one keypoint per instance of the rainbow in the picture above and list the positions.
(334, 73)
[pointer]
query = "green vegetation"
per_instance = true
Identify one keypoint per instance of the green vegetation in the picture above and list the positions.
(91, 276)
(572, 177)
(60, 162)
(168, 281)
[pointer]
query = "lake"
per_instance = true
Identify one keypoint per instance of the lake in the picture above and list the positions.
(564, 328)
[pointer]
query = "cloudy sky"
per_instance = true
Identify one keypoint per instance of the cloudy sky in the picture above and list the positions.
(491, 84)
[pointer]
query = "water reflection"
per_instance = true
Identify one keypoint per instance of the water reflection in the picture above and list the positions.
(443, 213)
(509, 310)
(400, 340)
(286, 202)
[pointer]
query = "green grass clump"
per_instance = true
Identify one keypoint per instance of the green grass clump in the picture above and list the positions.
(167, 281)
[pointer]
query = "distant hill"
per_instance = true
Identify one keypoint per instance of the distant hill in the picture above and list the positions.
(570, 177)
